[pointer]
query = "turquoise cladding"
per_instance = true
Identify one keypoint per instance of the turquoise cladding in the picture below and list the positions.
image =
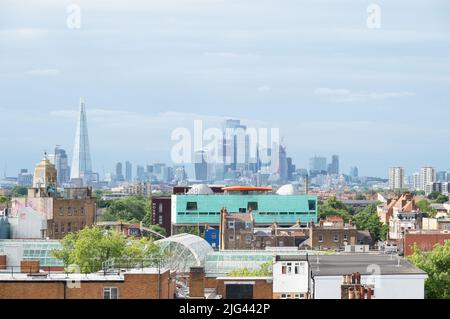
(266, 209)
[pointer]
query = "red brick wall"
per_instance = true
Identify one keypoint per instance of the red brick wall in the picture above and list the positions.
(261, 290)
(135, 286)
(424, 242)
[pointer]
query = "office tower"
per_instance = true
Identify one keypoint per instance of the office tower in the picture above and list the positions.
(62, 165)
(427, 176)
(236, 145)
(279, 162)
(318, 164)
(396, 178)
(140, 173)
(180, 174)
(441, 176)
(119, 172)
(128, 172)
(416, 181)
(81, 168)
(201, 166)
(354, 172)
(290, 169)
(333, 167)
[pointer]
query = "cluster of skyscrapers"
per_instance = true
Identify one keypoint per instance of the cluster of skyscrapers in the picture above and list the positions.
(428, 179)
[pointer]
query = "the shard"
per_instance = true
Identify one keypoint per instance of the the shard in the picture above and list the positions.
(81, 170)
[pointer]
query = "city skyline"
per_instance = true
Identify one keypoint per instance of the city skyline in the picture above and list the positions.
(315, 73)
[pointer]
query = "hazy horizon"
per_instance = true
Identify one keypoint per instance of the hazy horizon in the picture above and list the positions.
(375, 97)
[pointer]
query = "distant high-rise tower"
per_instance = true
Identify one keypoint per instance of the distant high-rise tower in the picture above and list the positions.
(119, 172)
(201, 166)
(81, 169)
(62, 165)
(427, 176)
(396, 178)
(333, 167)
(128, 171)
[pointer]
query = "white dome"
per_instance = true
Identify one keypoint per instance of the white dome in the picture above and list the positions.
(200, 189)
(287, 189)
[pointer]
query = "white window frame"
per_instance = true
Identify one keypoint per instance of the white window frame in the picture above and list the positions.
(109, 290)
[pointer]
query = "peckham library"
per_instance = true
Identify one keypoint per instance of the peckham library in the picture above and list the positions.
(200, 206)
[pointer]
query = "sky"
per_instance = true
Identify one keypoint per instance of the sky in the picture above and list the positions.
(314, 69)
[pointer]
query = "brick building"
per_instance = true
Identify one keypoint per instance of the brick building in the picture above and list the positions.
(62, 211)
(332, 233)
(146, 283)
(238, 231)
(424, 240)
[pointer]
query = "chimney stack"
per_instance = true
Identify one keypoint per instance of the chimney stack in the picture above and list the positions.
(197, 283)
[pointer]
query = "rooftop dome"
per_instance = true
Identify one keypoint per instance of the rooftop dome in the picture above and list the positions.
(287, 189)
(200, 189)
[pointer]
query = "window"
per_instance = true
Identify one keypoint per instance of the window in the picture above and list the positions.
(252, 205)
(56, 228)
(75, 211)
(345, 237)
(110, 293)
(213, 236)
(62, 227)
(191, 206)
(160, 207)
(231, 224)
(335, 238)
(69, 227)
(320, 238)
(61, 211)
(82, 211)
(242, 210)
(160, 219)
(69, 211)
(231, 237)
(311, 204)
(248, 238)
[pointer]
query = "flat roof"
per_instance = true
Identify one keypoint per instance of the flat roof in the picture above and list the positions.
(246, 188)
(364, 263)
(243, 278)
(6, 275)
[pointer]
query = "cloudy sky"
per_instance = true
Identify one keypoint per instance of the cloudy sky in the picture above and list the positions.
(377, 97)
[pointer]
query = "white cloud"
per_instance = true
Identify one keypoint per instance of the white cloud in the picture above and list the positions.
(230, 55)
(264, 88)
(43, 72)
(345, 95)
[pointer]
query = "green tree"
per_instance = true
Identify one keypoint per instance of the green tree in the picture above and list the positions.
(19, 191)
(265, 269)
(436, 264)
(368, 219)
(194, 230)
(331, 207)
(425, 207)
(158, 229)
(4, 200)
(127, 209)
(441, 199)
(433, 195)
(91, 247)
